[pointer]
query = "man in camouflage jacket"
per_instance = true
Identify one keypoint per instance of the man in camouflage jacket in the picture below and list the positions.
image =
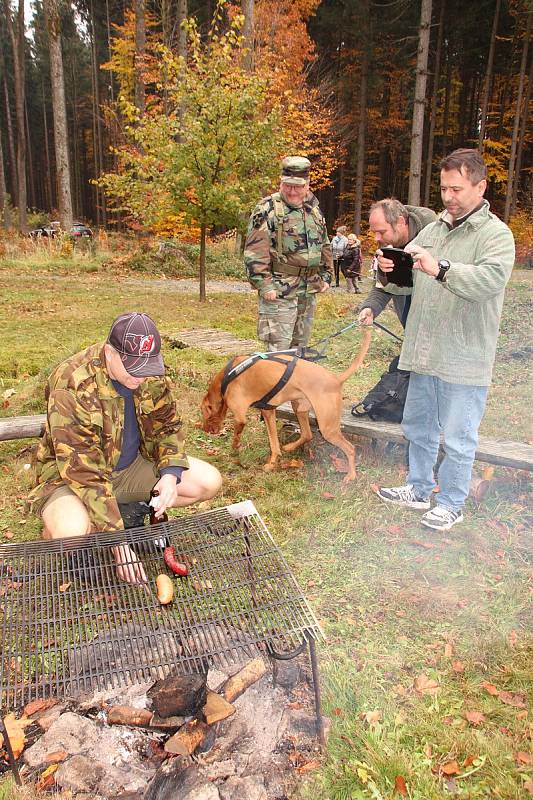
(113, 435)
(288, 258)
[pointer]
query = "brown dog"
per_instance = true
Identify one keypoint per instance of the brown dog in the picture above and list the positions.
(310, 386)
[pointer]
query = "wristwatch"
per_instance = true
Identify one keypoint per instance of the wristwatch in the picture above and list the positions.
(443, 266)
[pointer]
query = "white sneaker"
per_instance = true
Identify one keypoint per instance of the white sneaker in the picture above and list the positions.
(441, 519)
(404, 496)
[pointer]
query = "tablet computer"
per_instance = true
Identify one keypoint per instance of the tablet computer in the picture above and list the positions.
(402, 274)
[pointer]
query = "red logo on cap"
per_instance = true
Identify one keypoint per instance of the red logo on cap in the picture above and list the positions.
(147, 344)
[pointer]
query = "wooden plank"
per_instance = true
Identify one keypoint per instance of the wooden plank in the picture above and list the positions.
(216, 341)
(517, 455)
(22, 427)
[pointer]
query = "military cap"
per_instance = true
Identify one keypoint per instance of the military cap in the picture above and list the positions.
(295, 170)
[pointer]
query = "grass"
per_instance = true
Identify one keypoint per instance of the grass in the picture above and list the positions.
(396, 602)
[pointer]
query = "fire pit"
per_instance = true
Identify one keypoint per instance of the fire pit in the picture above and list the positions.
(69, 625)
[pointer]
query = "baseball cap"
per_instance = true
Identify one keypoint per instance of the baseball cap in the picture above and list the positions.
(135, 337)
(295, 170)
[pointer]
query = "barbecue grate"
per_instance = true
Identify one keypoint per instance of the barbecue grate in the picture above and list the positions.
(64, 634)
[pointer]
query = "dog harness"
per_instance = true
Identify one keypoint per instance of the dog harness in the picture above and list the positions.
(231, 372)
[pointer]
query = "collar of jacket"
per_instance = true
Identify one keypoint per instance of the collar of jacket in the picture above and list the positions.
(475, 219)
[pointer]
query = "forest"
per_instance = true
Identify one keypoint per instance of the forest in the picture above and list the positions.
(170, 116)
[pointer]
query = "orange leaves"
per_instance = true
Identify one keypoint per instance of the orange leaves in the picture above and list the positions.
(448, 769)
(490, 688)
(371, 718)
(15, 731)
(458, 667)
(514, 699)
(400, 787)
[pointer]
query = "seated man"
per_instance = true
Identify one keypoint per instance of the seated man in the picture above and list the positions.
(112, 436)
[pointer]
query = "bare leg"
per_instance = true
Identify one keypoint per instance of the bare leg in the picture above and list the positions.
(200, 482)
(66, 517)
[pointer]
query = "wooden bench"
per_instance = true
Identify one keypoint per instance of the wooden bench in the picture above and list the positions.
(507, 454)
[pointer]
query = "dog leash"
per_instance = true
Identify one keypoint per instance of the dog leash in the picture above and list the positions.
(316, 352)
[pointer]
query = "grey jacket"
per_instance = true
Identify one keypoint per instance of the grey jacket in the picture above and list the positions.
(453, 327)
(378, 299)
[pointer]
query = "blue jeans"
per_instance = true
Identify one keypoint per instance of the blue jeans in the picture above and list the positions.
(434, 406)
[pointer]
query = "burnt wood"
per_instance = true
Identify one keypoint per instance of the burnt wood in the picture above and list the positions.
(179, 695)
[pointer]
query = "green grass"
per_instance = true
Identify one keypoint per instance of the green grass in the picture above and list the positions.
(395, 601)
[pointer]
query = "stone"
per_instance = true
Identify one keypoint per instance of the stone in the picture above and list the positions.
(249, 788)
(48, 717)
(286, 673)
(70, 732)
(303, 724)
(219, 770)
(178, 695)
(79, 774)
(173, 781)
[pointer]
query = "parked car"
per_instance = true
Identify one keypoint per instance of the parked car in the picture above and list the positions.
(79, 230)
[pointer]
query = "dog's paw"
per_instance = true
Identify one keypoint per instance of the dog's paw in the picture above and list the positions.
(270, 466)
(349, 477)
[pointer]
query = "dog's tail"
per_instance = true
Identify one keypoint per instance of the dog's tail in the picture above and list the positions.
(360, 357)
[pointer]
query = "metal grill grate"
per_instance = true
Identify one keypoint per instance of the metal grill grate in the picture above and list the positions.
(69, 625)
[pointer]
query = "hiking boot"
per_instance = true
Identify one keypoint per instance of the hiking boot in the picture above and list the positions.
(441, 519)
(404, 496)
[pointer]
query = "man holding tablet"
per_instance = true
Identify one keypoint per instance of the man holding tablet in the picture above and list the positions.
(462, 263)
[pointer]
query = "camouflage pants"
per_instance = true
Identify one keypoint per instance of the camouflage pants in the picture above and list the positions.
(286, 323)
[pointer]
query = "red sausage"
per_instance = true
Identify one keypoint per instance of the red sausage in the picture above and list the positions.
(169, 554)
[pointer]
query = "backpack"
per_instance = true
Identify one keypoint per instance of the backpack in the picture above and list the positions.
(387, 399)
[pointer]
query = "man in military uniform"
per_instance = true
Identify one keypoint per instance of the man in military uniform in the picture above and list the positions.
(112, 436)
(288, 258)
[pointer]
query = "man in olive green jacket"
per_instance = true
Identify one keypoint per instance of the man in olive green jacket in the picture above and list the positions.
(462, 264)
(112, 436)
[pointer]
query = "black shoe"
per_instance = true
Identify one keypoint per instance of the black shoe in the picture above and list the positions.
(133, 514)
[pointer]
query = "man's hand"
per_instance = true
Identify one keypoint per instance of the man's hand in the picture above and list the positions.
(166, 486)
(384, 264)
(129, 568)
(270, 295)
(366, 316)
(424, 261)
(324, 287)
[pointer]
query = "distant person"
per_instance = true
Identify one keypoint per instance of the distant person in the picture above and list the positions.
(351, 263)
(462, 264)
(339, 244)
(287, 256)
(395, 225)
(113, 435)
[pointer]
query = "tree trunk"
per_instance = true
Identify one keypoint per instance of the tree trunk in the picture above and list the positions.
(488, 79)
(447, 93)
(182, 35)
(361, 140)
(47, 165)
(17, 44)
(248, 33)
(97, 127)
(521, 140)
(140, 47)
(4, 197)
(32, 202)
(11, 146)
(51, 10)
(511, 175)
(417, 131)
(434, 104)
(203, 235)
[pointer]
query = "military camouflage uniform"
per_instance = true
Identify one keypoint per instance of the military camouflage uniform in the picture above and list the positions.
(297, 273)
(83, 436)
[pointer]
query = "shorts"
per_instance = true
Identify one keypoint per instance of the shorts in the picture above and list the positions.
(130, 485)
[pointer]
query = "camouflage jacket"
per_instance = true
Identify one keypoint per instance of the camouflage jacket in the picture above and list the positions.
(83, 437)
(295, 257)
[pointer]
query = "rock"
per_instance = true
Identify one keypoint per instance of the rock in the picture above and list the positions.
(220, 770)
(303, 724)
(173, 781)
(286, 673)
(79, 774)
(179, 695)
(249, 788)
(48, 717)
(70, 732)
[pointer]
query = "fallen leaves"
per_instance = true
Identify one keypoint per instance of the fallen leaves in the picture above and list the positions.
(340, 464)
(490, 688)
(293, 463)
(458, 667)
(528, 786)
(523, 758)
(424, 685)
(400, 787)
(371, 718)
(448, 769)
(328, 496)
(512, 699)
(64, 586)
(475, 717)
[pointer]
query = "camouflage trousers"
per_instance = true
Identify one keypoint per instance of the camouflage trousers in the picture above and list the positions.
(286, 322)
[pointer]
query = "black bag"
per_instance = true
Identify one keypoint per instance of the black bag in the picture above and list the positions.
(387, 399)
